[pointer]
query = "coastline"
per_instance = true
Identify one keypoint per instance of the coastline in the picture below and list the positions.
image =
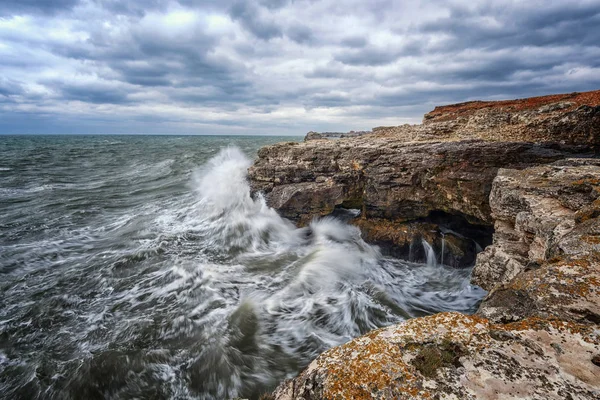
(519, 179)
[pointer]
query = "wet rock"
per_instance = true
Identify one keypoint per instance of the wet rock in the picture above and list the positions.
(455, 241)
(468, 166)
(450, 355)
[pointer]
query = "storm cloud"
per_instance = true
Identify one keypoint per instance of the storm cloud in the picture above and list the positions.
(279, 66)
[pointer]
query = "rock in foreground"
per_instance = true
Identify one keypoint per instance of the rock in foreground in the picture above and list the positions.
(454, 356)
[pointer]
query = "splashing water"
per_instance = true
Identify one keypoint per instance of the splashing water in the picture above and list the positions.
(443, 248)
(226, 299)
(430, 253)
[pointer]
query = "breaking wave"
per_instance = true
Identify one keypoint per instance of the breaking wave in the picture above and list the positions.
(215, 296)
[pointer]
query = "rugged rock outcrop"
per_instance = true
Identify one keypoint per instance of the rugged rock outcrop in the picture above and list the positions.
(396, 185)
(454, 356)
(312, 135)
(536, 334)
(399, 176)
(564, 118)
(545, 259)
(391, 179)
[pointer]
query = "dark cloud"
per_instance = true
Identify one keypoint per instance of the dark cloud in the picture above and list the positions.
(151, 57)
(9, 87)
(49, 7)
(494, 27)
(301, 34)
(369, 56)
(274, 4)
(137, 8)
(354, 41)
(91, 93)
(250, 17)
(279, 66)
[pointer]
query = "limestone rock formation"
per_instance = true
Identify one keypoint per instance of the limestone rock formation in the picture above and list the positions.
(312, 135)
(565, 118)
(545, 259)
(532, 169)
(536, 334)
(400, 176)
(390, 179)
(454, 356)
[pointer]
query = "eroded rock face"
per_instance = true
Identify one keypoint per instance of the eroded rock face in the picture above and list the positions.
(545, 259)
(454, 356)
(536, 334)
(456, 242)
(392, 181)
(541, 213)
(402, 174)
(564, 118)
(567, 289)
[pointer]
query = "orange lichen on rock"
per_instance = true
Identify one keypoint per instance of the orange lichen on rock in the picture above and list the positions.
(450, 355)
(570, 101)
(536, 333)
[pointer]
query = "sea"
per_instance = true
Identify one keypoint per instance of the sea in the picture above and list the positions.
(140, 267)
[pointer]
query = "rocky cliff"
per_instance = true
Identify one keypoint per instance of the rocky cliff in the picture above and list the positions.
(404, 180)
(563, 118)
(536, 335)
(545, 259)
(526, 171)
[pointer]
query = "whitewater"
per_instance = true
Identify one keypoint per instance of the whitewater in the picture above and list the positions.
(155, 276)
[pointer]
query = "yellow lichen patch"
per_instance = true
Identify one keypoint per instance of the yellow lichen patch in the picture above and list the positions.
(587, 181)
(356, 166)
(365, 372)
(593, 182)
(538, 324)
(450, 355)
(373, 365)
(564, 281)
(591, 239)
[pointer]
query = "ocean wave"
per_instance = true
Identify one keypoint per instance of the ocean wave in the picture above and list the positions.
(208, 294)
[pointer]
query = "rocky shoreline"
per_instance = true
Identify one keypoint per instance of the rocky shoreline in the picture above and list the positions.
(519, 179)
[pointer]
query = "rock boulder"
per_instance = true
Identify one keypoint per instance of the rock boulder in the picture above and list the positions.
(454, 356)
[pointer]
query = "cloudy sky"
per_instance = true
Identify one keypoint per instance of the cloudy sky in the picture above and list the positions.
(280, 66)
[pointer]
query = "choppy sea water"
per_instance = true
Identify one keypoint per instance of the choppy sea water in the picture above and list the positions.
(140, 267)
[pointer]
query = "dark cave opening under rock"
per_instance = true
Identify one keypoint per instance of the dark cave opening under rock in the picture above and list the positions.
(454, 240)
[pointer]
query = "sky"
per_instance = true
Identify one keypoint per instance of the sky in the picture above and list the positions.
(279, 67)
